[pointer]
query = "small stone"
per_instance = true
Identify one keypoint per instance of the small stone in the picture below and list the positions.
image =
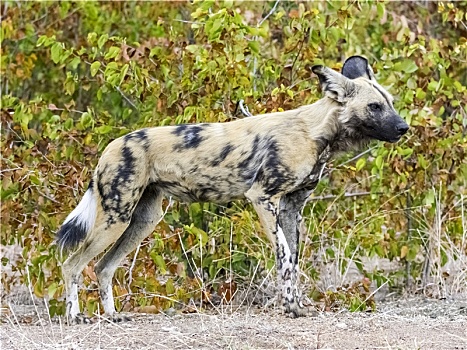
(341, 325)
(170, 311)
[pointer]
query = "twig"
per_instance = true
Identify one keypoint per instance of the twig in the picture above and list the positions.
(189, 22)
(126, 98)
(10, 169)
(356, 157)
(270, 13)
(347, 195)
(31, 294)
(53, 108)
(244, 109)
(298, 54)
(130, 271)
(116, 88)
(48, 197)
(321, 171)
(409, 237)
(255, 61)
(372, 293)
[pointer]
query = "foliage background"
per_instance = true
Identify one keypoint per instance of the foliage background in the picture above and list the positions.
(76, 75)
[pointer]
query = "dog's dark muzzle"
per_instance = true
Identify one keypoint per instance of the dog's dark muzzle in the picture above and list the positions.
(390, 129)
(400, 128)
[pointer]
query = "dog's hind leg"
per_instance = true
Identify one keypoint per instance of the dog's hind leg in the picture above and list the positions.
(147, 214)
(98, 240)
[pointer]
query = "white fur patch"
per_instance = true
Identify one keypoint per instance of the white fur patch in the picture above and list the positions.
(282, 240)
(86, 211)
(108, 300)
(72, 301)
(290, 293)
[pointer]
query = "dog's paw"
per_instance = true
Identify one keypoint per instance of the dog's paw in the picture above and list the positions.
(79, 319)
(117, 318)
(296, 309)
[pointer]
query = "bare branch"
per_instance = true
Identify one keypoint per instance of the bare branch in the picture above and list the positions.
(256, 37)
(346, 195)
(270, 13)
(244, 109)
(356, 157)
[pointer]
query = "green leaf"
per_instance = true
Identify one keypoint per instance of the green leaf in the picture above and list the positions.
(360, 164)
(433, 85)
(189, 48)
(95, 68)
(56, 51)
(92, 38)
(46, 40)
(159, 261)
(214, 28)
(68, 125)
(103, 129)
(74, 63)
(111, 66)
(407, 66)
(254, 47)
(380, 9)
(200, 234)
(86, 120)
(420, 94)
(412, 253)
(35, 180)
(239, 57)
(422, 162)
(112, 53)
(51, 289)
(169, 287)
(102, 40)
(69, 86)
(123, 73)
(412, 83)
(379, 162)
(10, 192)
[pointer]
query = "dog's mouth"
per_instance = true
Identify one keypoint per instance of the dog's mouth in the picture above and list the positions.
(394, 140)
(373, 132)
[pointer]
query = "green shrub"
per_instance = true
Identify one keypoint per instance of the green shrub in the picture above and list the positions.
(74, 77)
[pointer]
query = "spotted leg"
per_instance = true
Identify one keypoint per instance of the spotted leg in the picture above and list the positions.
(146, 216)
(72, 267)
(286, 264)
(290, 219)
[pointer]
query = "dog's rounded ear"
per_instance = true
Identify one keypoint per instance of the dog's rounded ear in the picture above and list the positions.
(319, 71)
(356, 67)
(334, 84)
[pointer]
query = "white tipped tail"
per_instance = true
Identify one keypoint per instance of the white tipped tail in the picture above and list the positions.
(79, 222)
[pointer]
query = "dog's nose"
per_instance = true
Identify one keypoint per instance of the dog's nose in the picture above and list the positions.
(402, 128)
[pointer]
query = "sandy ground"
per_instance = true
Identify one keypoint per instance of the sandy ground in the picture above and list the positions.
(415, 323)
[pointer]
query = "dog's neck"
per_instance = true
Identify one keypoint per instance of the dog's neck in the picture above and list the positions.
(344, 141)
(338, 136)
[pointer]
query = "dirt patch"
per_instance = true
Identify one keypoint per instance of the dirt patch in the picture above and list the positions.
(415, 323)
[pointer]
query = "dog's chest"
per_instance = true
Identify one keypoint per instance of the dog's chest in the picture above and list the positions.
(318, 171)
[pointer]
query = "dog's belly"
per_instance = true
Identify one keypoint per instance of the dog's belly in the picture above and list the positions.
(215, 190)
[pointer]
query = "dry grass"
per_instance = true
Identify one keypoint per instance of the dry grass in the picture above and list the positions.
(251, 321)
(445, 265)
(399, 325)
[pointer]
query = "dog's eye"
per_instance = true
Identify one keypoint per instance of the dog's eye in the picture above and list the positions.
(375, 107)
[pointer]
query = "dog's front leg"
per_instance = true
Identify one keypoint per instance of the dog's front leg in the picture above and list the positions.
(290, 219)
(286, 261)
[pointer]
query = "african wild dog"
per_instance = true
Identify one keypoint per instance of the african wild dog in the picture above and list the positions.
(274, 160)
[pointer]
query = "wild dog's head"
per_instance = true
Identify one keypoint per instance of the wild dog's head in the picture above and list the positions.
(368, 109)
